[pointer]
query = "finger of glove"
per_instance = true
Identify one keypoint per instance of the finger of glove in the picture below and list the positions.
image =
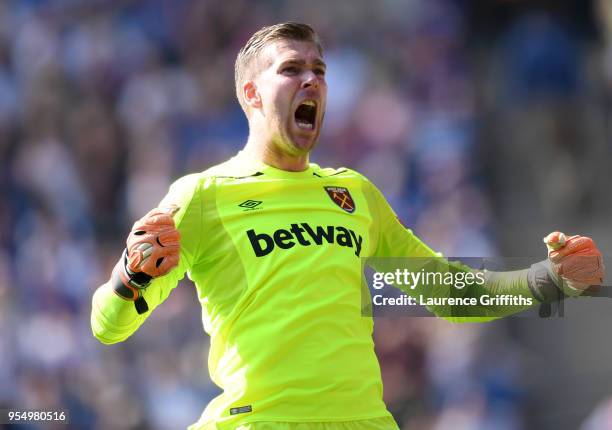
(169, 237)
(583, 257)
(577, 285)
(590, 251)
(150, 234)
(133, 240)
(140, 247)
(161, 261)
(584, 274)
(572, 246)
(153, 223)
(581, 267)
(168, 263)
(588, 269)
(583, 284)
(136, 257)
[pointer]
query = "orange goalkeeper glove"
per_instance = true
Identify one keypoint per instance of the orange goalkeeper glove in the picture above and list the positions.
(153, 243)
(574, 264)
(152, 251)
(576, 260)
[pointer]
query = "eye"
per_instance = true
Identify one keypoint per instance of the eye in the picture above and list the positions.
(319, 72)
(290, 70)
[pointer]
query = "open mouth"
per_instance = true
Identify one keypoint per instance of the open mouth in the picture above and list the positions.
(306, 114)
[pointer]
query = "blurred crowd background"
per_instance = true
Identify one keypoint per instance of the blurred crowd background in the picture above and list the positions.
(484, 122)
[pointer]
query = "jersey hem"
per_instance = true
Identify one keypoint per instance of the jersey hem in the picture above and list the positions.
(223, 424)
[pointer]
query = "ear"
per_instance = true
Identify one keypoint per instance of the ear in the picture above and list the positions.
(251, 95)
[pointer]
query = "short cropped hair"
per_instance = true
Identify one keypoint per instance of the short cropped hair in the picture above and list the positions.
(245, 69)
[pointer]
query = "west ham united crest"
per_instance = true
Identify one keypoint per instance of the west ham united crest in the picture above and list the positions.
(342, 198)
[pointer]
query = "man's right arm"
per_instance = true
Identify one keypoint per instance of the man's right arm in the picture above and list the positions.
(114, 319)
(114, 315)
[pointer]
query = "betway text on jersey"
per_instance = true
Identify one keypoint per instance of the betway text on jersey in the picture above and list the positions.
(305, 235)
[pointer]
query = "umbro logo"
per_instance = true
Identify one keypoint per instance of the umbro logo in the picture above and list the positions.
(250, 205)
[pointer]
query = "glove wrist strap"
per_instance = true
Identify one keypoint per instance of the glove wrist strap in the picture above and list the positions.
(129, 285)
(546, 286)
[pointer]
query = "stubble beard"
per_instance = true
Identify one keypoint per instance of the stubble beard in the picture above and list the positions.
(285, 142)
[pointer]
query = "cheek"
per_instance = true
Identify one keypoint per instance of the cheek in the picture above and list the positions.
(279, 97)
(284, 100)
(323, 91)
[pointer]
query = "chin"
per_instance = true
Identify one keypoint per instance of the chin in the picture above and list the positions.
(303, 148)
(296, 143)
(304, 144)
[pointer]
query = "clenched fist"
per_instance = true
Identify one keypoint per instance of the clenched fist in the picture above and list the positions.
(153, 243)
(575, 259)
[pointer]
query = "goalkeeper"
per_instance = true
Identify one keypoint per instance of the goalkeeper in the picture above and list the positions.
(274, 246)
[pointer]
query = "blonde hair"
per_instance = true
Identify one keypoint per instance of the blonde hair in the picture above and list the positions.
(244, 68)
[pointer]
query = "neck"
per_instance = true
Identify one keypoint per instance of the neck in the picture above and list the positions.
(269, 153)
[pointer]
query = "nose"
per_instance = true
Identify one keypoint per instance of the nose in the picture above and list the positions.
(310, 80)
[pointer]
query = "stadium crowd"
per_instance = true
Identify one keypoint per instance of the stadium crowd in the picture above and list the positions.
(103, 103)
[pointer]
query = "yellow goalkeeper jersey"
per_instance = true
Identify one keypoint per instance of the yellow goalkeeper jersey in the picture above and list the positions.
(276, 258)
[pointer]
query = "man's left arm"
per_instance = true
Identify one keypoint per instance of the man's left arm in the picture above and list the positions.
(574, 264)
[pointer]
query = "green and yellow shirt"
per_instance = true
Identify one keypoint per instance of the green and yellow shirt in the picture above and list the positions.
(276, 258)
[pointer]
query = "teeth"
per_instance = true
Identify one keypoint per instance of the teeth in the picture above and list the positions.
(309, 103)
(305, 125)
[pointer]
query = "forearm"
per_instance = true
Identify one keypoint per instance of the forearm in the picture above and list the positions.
(113, 319)
(507, 293)
(519, 290)
(152, 265)
(495, 295)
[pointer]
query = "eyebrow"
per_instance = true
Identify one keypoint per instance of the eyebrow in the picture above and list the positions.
(316, 62)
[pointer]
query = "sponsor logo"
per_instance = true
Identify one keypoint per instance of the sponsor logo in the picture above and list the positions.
(250, 205)
(341, 197)
(305, 235)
